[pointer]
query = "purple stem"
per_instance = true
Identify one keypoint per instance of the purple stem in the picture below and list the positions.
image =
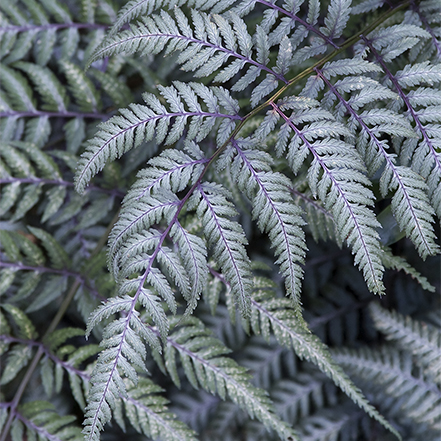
(406, 101)
(389, 160)
(35, 181)
(436, 42)
(138, 292)
(46, 351)
(39, 269)
(203, 43)
(144, 121)
(299, 20)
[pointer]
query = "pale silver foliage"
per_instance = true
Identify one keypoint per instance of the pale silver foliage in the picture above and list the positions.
(285, 120)
(339, 127)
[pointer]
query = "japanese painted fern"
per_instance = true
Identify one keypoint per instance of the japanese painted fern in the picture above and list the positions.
(260, 150)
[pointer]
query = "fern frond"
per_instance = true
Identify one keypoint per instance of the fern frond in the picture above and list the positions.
(408, 186)
(295, 397)
(206, 49)
(142, 123)
(124, 353)
(423, 150)
(81, 87)
(336, 176)
(22, 179)
(136, 8)
(19, 92)
(40, 418)
(388, 371)
(331, 422)
(400, 264)
(193, 253)
(227, 240)
(29, 26)
(147, 412)
(52, 92)
(426, 159)
(18, 358)
(205, 363)
(275, 212)
(47, 281)
(291, 331)
(319, 221)
(337, 18)
(421, 339)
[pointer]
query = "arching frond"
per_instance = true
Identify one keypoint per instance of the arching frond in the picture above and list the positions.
(205, 364)
(227, 240)
(275, 212)
(419, 338)
(142, 123)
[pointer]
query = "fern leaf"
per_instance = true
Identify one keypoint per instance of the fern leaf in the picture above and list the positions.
(337, 18)
(392, 41)
(291, 331)
(142, 123)
(205, 364)
(423, 340)
(18, 89)
(147, 412)
(41, 419)
(135, 8)
(408, 186)
(53, 94)
(390, 371)
(81, 87)
(343, 192)
(275, 212)
(227, 240)
(398, 263)
(203, 51)
(124, 348)
(18, 357)
(193, 254)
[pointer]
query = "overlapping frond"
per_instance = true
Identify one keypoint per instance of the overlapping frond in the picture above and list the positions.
(124, 354)
(336, 176)
(25, 173)
(388, 371)
(147, 412)
(271, 315)
(205, 364)
(41, 419)
(135, 8)
(409, 188)
(227, 239)
(421, 339)
(274, 211)
(28, 274)
(141, 123)
(20, 34)
(207, 48)
(298, 142)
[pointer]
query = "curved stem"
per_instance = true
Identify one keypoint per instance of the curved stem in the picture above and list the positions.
(53, 325)
(305, 73)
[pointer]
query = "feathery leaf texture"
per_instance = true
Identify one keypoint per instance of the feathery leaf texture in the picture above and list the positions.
(140, 123)
(264, 124)
(205, 363)
(422, 339)
(389, 371)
